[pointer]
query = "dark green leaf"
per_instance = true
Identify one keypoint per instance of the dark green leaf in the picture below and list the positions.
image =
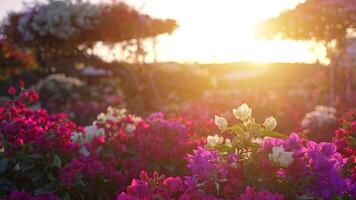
(6, 185)
(3, 164)
(35, 176)
(56, 162)
(352, 141)
(51, 136)
(46, 189)
(26, 165)
(36, 156)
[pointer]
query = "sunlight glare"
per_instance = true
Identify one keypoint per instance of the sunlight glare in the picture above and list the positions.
(222, 31)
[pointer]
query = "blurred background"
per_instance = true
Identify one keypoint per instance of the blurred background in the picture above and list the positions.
(194, 58)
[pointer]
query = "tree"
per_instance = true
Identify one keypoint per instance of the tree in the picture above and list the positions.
(66, 25)
(330, 22)
(63, 31)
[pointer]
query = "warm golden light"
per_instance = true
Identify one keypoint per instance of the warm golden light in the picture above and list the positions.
(222, 31)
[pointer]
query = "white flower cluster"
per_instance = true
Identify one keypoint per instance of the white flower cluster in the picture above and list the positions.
(90, 132)
(61, 19)
(243, 113)
(320, 116)
(115, 115)
(112, 114)
(56, 82)
(280, 156)
(81, 138)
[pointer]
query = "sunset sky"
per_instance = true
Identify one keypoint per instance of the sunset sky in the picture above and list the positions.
(214, 30)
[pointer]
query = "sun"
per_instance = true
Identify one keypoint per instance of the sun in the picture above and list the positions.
(222, 31)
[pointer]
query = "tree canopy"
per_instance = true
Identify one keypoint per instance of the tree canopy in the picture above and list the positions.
(320, 20)
(62, 24)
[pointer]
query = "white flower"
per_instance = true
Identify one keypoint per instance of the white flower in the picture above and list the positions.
(249, 122)
(220, 122)
(77, 137)
(228, 142)
(319, 117)
(55, 18)
(90, 132)
(214, 140)
(243, 112)
(270, 123)
(257, 140)
(130, 128)
(93, 131)
(112, 114)
(281, 157)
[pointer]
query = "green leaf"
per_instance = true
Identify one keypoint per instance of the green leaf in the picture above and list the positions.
(26, 165)
(35, 176)
(79, 182)
(56, 162)
(255, 145)
(36, 156)
(3, 164)
(51, 136)
(237, 128)
(46, 189)
(352, 141)
(65, 196)
(275, 134)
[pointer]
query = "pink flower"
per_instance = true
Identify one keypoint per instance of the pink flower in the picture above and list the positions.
(21, 84)
(251, 194)
(67, 175)
(11, 91)
(173, 184)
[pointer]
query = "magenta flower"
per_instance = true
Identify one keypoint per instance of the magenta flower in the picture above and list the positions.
(251, 194)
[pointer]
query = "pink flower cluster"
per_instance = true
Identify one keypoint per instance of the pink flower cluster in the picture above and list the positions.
(315, 172)
(129, 145)
(157, 187)
(346, 135)
(48, 157)
(21, 126)
(21, 195)
(154, 143)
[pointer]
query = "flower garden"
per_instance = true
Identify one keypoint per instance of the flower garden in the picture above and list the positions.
(74, 127)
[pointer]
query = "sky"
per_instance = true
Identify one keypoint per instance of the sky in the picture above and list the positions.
(213, 31)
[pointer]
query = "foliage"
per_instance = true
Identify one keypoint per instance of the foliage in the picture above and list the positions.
(14, 60)
(289, 168)
(67, 24)
(61, 93)
(321, 20)
(35, 146)
(49, 157)
(168, 85)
